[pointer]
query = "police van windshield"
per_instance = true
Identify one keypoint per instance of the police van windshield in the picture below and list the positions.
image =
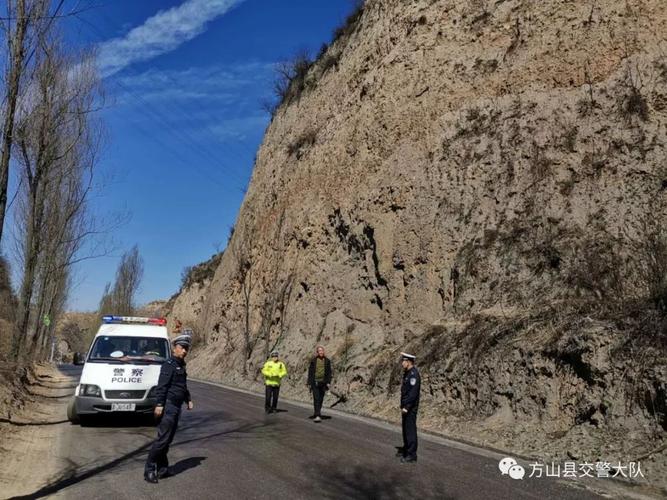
(129, 349)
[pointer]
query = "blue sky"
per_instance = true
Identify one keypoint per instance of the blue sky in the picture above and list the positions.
(184, 84)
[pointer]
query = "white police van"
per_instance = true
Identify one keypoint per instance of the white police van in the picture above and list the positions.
(122, 368)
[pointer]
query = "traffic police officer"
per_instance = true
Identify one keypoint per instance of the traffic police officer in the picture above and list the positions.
(170, 394)
(273, 370)
(409, 406)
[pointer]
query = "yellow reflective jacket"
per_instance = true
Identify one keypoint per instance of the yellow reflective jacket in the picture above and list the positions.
(273, 372)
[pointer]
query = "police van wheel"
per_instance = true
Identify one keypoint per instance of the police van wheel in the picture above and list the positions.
(72, 415)
(85, 420)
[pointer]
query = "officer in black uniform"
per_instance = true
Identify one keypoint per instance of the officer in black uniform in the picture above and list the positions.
(170, 394)
(409, 406)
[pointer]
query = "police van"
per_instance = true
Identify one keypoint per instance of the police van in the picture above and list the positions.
(121, 369)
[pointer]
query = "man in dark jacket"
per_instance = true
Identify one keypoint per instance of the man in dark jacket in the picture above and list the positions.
(409, 406)
(170, 394)
(319, 379)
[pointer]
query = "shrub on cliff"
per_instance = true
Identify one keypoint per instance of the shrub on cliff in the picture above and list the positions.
(199, 273)
(291, 78)
(292, 75)
(351, 22)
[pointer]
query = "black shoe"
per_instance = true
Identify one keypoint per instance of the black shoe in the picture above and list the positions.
(408, 460)
(399, 451)
(164, 473)
(151, 477)
(273, 410)
(268, 410)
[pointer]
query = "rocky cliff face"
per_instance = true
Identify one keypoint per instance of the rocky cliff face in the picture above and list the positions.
(482, 183)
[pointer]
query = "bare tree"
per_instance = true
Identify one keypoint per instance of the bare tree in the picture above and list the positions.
(106, 302)
(24, 18)
(277, 302)
(68, 227)
(290, 81)
(16, 49)
(58, 144)
(128, 278)
(120, 298)
(246, 279)
(7, 299)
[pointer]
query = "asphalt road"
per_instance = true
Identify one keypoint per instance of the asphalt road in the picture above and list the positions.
(229, 448)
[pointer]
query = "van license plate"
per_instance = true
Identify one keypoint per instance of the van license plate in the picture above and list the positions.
(123, 406)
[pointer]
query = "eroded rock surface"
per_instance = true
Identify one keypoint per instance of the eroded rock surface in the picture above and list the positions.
(482, 183)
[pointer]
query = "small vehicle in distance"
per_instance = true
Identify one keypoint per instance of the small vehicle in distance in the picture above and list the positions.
(79, 358)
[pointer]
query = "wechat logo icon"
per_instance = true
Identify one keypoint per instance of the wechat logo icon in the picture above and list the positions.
(509, 467)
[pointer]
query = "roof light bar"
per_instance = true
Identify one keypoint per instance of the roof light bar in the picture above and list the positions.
(134, 319)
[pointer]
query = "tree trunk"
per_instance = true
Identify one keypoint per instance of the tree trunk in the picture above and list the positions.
(33, 249)
(14, 77)
(25, 295)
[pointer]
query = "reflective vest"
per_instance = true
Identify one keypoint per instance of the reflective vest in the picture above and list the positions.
(273, 372)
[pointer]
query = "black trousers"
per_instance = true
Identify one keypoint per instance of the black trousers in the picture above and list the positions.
(319, 390)
(157, 456)
(409, 424)
(271, 401)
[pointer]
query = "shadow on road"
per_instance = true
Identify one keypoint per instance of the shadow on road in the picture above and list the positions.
(183, 465)
(77, 473)
(72, 475)
(344, 480)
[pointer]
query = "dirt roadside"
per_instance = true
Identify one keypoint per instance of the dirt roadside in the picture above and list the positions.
(30, 429)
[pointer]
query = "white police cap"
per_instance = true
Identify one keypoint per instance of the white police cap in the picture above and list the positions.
(409, 357)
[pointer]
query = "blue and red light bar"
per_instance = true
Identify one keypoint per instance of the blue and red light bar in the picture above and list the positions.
(134, 319)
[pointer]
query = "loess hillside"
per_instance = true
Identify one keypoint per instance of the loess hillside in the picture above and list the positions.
(482, 183)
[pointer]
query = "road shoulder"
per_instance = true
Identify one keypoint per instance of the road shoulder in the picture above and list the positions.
(31, 433)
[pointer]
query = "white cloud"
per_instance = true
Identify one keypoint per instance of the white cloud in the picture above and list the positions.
(219, 104)
(236, 87)
(160, 34)
(235, 84)
(208, 79)
(239, 128)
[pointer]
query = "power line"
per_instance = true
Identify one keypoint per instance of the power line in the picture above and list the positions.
(165, 121)
(177, 154)
(173, 131)
(185, 116)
